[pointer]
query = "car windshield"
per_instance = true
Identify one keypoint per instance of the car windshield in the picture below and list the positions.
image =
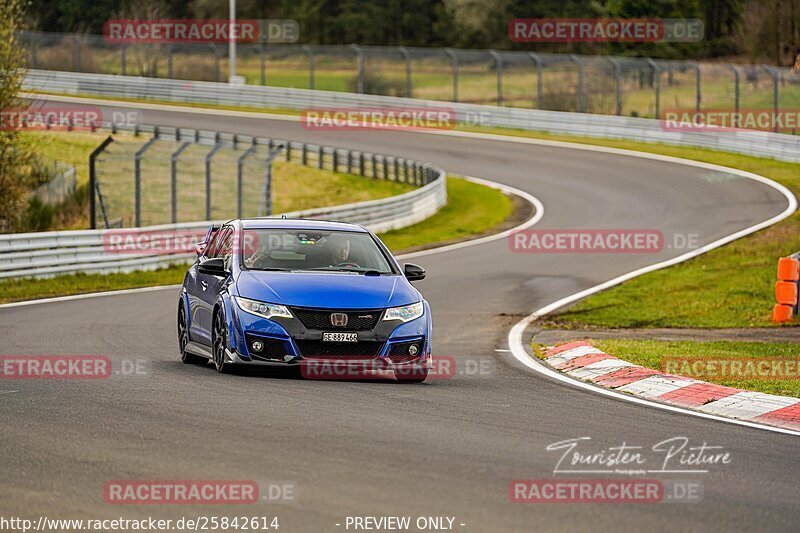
(333, 251)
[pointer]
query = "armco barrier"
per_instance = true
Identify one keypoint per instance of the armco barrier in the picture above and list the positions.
(755, 143)
(786, 289)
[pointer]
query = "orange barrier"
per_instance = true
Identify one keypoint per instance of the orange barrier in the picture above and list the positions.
(786, 290)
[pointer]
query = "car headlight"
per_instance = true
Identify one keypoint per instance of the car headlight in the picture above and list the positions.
(404, 313)
(262, 309)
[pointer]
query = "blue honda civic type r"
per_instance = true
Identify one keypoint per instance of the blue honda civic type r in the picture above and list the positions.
(288, 292)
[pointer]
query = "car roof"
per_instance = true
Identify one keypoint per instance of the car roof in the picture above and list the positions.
(299, 223)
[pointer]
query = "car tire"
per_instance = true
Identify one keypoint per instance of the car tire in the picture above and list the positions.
(219, 342)
(183, 339)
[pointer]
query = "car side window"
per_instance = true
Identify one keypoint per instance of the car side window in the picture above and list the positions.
(226, 250)
(212, 245)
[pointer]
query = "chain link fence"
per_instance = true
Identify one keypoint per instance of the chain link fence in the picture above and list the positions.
(149, 175)
(627, 86)
(62, 184)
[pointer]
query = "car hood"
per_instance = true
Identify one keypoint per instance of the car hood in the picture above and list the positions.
(328, 290)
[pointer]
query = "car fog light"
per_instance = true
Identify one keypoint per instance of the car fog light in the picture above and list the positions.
(412, 350)
(257, 346)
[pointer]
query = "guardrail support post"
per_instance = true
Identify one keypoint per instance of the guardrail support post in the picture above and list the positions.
(173, 160)
(93, 185)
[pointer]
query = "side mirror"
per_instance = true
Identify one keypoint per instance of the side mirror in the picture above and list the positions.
(214, 266)
(413, 272)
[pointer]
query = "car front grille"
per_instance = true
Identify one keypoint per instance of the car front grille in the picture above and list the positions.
(360, 320)
(336, 350)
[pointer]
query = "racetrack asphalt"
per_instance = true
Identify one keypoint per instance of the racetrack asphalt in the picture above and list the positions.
(449, 447)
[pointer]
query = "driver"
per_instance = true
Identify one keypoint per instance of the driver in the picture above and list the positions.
(340, 250)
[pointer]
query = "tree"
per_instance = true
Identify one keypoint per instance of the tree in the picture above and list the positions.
(16, 175)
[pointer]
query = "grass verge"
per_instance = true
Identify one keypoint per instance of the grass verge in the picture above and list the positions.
(652, 354)
(472, 210)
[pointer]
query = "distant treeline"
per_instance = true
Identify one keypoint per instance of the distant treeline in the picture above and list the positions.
(756, 30)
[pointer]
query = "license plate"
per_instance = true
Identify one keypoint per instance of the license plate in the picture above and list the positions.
(340, 337)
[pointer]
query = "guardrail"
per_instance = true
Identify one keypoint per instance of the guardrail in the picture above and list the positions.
(755, 143)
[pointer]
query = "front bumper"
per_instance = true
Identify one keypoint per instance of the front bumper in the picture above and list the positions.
(288, 342)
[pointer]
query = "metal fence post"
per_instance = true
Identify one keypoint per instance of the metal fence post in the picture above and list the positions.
(404, 52)
(776, 79)
(617, 83)
(173, 160)
(539, 86)
(454, 58)
(268, 181)
(239, 180)
(361, 67)
(262, 62)
(93, 186)
(736, 87)
(209, 156)
(169, 61)
(138, 180)
(581, 88)
(35, 53)
(310, 54)
(77, 51)
(498, 65)
(698, 95)
(656, 84)
(216, 62)
(320, 156)
(124, 54)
